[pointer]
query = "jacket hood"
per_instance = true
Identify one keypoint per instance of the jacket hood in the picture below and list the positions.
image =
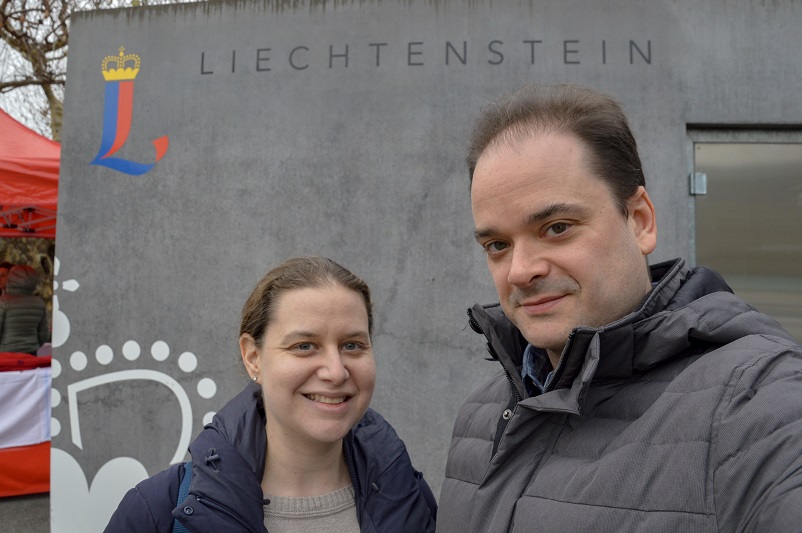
(22, 279)
(686, 312)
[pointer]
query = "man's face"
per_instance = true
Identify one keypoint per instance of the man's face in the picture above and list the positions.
(560, 251)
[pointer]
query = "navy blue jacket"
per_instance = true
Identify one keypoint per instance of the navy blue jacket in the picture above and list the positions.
(228, 459)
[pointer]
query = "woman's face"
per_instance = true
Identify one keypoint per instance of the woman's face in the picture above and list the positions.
(315, 365)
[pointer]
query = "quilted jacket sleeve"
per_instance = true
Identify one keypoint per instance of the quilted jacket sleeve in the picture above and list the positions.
(147, 508)
(757, 477)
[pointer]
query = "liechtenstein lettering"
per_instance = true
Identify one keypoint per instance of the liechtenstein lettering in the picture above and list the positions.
(374, 55)
(117, 113)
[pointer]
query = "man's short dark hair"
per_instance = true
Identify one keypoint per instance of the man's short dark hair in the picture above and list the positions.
(593, 117)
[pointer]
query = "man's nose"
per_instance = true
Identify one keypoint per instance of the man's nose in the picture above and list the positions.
(527, 265)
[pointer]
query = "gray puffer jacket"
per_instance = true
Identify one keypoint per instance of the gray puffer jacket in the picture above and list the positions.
(685, 415)
(23, 316)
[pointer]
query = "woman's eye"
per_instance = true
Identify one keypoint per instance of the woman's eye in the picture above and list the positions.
(350, 346)
(304, 346)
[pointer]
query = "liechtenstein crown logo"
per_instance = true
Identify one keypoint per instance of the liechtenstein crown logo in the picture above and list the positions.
(120, 71)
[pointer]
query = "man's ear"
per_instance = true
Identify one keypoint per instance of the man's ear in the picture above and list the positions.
(642, 220)
(250, 354)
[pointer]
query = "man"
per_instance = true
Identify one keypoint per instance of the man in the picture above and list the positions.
(630, 398)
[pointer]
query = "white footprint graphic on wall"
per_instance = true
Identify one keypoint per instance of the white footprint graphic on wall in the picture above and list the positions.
(61, 324)
(78, 504)
(70, 490)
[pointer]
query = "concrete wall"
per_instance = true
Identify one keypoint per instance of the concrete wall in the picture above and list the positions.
(338, 129)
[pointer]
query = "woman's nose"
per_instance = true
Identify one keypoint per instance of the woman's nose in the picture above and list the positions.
(332, 368)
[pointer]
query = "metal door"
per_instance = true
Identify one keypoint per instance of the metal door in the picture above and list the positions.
(748, 206)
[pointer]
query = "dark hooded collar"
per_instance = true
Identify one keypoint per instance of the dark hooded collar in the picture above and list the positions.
(686, 311)
(228, 457)
(229, 454)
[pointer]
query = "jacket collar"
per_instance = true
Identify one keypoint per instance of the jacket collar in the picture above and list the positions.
(228, 458)
(229, 455)
(648, 336)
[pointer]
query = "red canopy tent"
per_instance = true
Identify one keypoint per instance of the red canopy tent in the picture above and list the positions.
(29, 165)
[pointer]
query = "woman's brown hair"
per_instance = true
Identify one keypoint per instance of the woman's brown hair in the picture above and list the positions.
(296, 273)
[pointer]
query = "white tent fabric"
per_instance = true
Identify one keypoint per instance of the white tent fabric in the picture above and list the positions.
(25, 403)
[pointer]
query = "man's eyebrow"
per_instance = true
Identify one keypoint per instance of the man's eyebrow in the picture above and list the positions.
(533, 218)
(551, 210)
(481, 233)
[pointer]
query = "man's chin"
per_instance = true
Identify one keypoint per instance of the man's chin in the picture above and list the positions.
(541, 336)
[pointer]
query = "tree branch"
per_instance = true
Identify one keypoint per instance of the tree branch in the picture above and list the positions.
(14, 84)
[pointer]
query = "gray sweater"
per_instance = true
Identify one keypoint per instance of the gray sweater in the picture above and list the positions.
(685, 415)
(334, 512)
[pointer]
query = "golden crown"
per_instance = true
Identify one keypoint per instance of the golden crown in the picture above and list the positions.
(127, 66)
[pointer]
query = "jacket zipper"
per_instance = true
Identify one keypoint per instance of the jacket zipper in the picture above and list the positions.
(478, 329)
(512, 385)
(473, 323)
(515, 398)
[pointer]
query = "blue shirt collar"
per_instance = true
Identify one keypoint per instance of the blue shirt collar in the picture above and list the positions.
(536, 370)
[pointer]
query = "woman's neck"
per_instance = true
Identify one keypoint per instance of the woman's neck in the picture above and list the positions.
(294, 469)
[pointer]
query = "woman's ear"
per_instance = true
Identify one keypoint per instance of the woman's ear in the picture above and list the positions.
(250, 354)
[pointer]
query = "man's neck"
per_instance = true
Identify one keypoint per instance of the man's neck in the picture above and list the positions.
(554, 357)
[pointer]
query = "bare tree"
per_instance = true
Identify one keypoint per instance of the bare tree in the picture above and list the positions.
(33, 57)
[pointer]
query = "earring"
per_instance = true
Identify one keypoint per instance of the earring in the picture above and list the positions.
(255, 377)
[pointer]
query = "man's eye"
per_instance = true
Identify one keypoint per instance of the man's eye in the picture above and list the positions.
(351, 346)
(558, 228)
(495, 246)
(303, 346)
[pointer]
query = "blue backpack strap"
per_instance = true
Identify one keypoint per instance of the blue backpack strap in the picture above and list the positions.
(183, 492)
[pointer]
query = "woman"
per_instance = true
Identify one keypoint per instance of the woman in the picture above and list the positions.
(298, 450)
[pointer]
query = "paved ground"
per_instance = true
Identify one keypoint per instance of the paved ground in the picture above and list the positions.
(25, 514)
